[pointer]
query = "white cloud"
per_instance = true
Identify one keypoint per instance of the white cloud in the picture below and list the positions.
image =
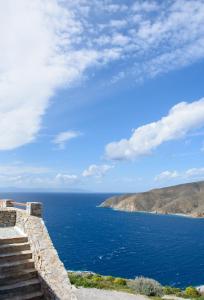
(193, 174)
(147, 6)
(10, 180)
(118, 23)
(119, 40)
(38, 180)
(19, 174)
(31, 66)
(47, 45)
(158, 36)
(166, 175)
(64, 137)
(172, 60)
(96, 170)
(181, 119)
(117, 77)
(17, 169)
(114, 8)
(38, 56)
(66, 178)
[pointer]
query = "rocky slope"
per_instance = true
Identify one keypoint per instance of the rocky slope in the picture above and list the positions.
(185, 199)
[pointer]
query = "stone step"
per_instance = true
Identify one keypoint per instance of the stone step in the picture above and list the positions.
(15, 256)
(29, 296)
(16, 266)
(14, 240)
(20, 289)
(9, 248)
(13, 277)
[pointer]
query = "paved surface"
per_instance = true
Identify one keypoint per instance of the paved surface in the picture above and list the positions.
(94, 294)
(172, 297)
(9, 232)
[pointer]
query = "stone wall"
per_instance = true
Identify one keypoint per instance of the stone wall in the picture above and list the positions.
(7, 218)
(55, 282)
(51, 271)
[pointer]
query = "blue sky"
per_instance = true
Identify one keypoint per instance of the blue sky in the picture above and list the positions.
(105, 97)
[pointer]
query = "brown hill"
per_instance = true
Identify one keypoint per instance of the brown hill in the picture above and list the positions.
(185, 199)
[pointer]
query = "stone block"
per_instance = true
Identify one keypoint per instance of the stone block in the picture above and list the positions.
(6, 203)
(34, 209)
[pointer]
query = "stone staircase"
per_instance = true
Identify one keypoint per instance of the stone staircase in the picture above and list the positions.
(18, 277)
(29, 270)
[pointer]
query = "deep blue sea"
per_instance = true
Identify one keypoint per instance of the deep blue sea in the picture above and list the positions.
(169, 249)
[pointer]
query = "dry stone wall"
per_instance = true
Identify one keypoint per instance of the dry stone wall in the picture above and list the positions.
(52, 273)
(53, 276)
(7, 218)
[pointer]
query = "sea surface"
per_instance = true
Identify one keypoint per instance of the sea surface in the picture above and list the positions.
(169, 249)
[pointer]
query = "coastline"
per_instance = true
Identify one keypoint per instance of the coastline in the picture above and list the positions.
(191, 216)
(183, 200)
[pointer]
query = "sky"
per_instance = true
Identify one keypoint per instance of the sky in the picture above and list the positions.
(101, 95)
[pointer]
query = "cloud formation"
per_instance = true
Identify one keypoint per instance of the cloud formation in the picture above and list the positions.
(19, 168)
(19, 174)
(166, 175)
(66, 178)
(38, 56)
(96, 170)
(49, 44)
(38, 180)
(181, 119)
(63, 137)
(193, 174)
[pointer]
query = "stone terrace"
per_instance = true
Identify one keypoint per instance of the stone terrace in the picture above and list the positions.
(29, 264)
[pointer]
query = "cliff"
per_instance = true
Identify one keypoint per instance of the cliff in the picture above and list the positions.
(185, 199)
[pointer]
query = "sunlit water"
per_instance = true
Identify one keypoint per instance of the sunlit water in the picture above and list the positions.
(167, 248)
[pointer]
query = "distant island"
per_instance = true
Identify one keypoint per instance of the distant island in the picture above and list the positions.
(184, 199)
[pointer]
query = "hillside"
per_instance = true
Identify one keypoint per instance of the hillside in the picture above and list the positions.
(180, 199)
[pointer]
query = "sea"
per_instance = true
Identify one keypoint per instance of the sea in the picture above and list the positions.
(167, 248)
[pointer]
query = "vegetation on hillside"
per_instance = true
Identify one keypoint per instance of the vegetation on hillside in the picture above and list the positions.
(90, 280)
(140, 285)
(146, 286)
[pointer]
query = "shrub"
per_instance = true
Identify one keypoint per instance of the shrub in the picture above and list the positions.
(146, 286)
(190, 291)
(88, 275)
(87, 284)
(168, 290)
(109, 278)
(73, 278)
(119, 281)
(80, 281)
(96, 278)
